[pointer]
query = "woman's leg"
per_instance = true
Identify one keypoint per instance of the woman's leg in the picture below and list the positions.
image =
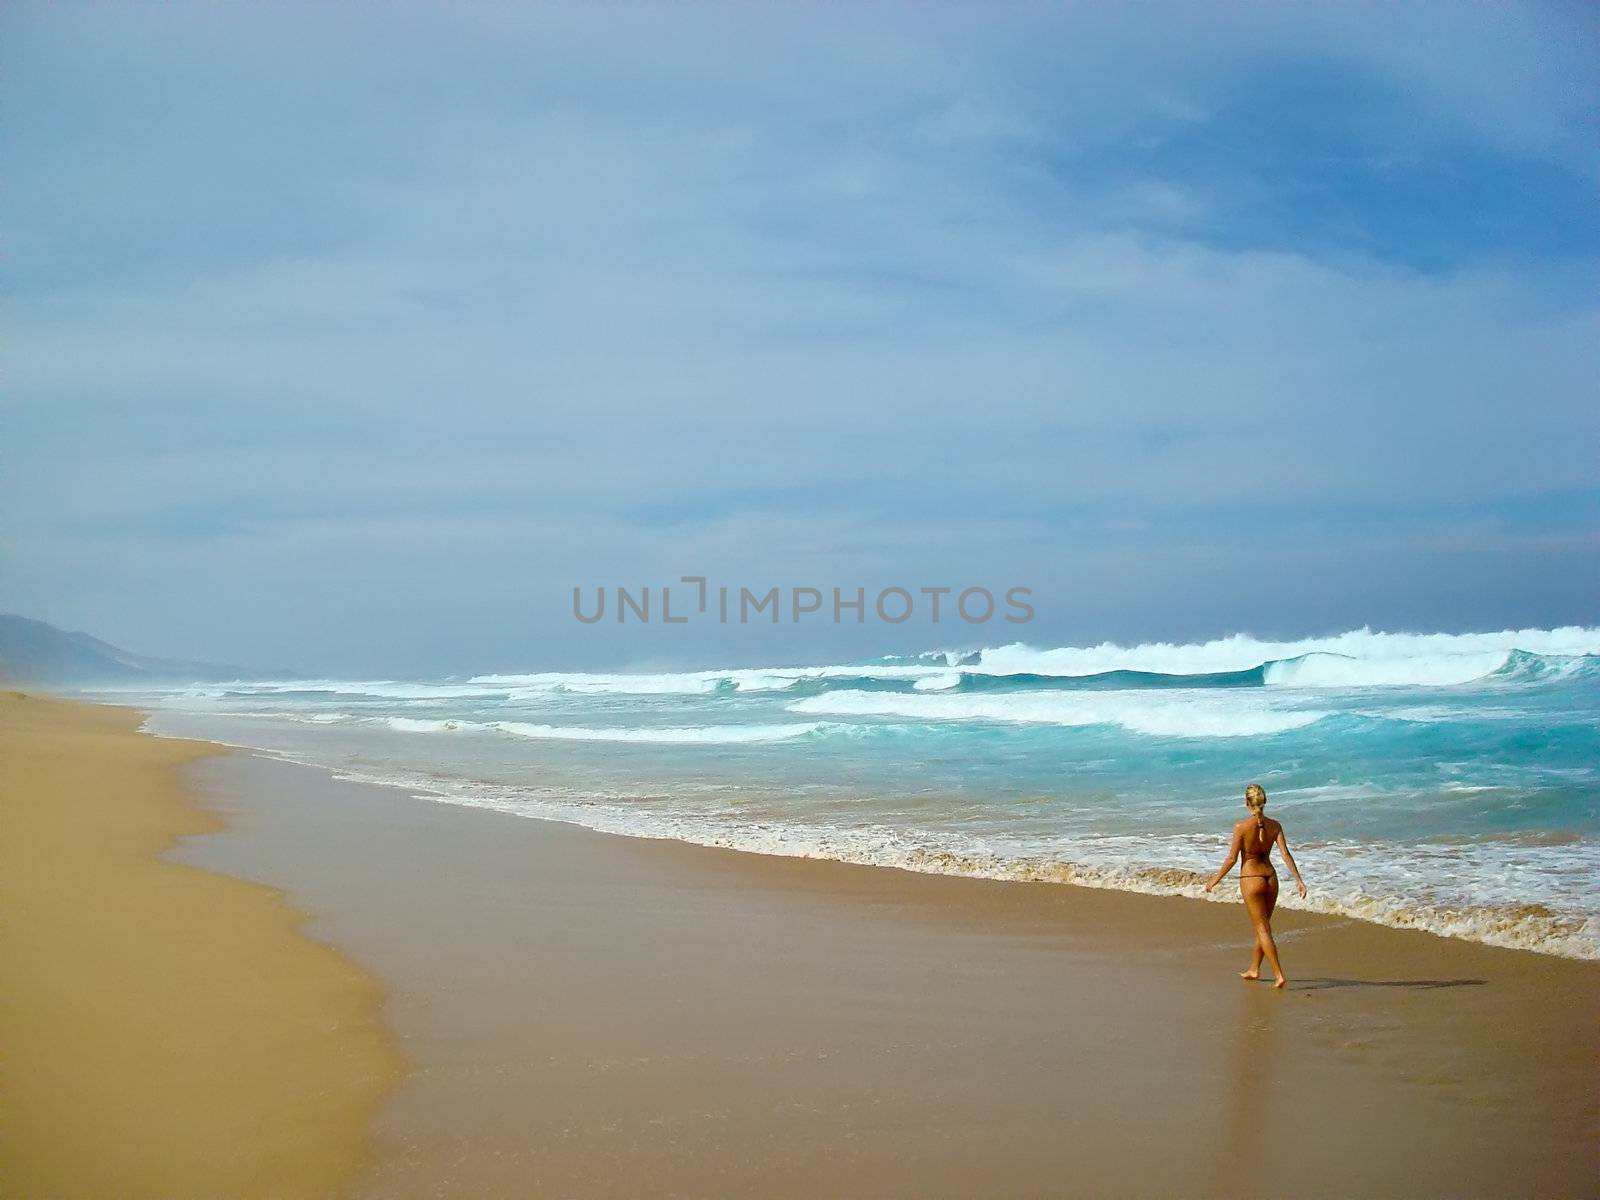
(1255, 961)
(1260, 898)
(1257, 950)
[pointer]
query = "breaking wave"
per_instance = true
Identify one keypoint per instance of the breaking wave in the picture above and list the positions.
(699, 735)
(1357, 658)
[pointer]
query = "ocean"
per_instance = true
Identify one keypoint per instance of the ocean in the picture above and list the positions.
(1446, 782)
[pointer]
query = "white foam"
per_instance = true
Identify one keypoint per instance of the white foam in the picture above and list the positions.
(1426, 656)
(1356, 658)
(383, 689)
(1341, 670)
(763, 681)
(421, 725)
(588, 684)
(703, 735)
(1207, 714)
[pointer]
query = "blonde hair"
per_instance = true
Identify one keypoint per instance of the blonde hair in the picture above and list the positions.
(1256, 794)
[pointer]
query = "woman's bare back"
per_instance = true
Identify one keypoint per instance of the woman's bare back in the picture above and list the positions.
(1255, 846)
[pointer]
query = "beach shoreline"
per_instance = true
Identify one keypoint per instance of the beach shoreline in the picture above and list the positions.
(593, 1014)
(1465, 811)
(596, 1014)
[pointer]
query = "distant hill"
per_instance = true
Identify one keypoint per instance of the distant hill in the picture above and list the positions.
(37, 652)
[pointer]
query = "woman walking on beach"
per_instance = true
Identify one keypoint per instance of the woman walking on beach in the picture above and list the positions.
(1254, 837)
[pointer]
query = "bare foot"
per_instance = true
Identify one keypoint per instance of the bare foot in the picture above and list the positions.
(1249, 974)
(1280, 983)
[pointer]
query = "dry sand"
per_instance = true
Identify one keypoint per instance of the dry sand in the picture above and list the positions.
(164, 1031)
(592, 1015)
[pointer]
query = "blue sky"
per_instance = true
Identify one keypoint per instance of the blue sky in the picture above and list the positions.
(352, 339)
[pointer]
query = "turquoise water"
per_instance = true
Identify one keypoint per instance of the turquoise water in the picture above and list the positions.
(1446, 782)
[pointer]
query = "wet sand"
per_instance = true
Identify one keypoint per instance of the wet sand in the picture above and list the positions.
(164, 1031)
(593, 1015)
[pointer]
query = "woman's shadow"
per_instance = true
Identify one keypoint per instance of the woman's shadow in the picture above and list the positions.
(1317, 983)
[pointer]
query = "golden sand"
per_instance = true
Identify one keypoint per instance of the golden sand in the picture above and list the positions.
(165, 1031)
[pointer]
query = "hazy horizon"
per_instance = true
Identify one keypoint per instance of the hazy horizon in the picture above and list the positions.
(354, 339)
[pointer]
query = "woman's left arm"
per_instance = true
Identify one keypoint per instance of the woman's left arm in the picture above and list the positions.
(1233, 857)
(1283, 845)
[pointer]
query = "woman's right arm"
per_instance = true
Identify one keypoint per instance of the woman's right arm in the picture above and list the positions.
(1283, 844)
(1233, 857)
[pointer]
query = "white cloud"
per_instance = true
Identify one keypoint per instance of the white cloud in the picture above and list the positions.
(306, 306)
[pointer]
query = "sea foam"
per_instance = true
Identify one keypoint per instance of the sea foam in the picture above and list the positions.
(1190, 714)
